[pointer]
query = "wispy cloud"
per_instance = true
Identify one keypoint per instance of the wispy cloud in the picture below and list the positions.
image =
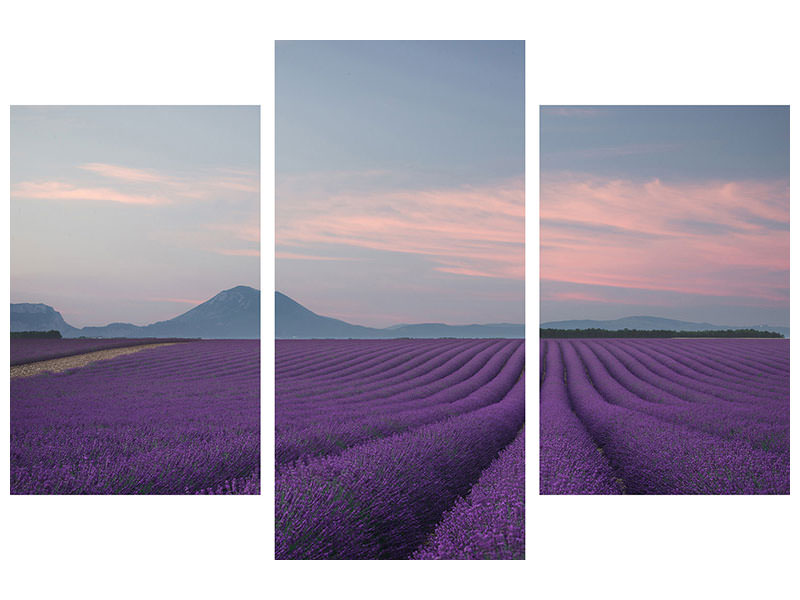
(689, 238)
(237, 251)
(117, 183)
(469, 231)
(126, 173)
(53, 190)
(296, 256)
(249, 232)
(200, 193)
(228, 239)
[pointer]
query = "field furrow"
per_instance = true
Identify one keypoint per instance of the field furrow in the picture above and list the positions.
(487, 386)
(178, 421)
(490, 522)
(570, 462)
(661, 431)
(367, 468)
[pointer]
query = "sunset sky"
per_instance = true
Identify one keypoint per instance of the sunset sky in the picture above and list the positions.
(677, 212)
(132, 214)
(400, 180)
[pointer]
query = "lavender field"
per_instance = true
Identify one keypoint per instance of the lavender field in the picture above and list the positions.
(664, 416)
(25, 350)
(179, 419)
(394, 449)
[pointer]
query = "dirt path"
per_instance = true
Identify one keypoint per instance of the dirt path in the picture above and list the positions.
(57, 365)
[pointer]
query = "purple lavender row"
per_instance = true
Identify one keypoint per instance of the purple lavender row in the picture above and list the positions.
(674, 388)
(250, 485)
(383, 498)
(698, 358)
(672, 370)
(220, 356)
(767, 350)
(726, 365)
(706, 363)
(458, 376)
(450, 385)
(105, 430)
(26, 350)
(291, 353)
(379, 359)
(759, 428)
(418, 384)
(750, 357)
(376, 387)
(336, 387)
(378, 365)
(542, 368)
(334, 437)
(338, 356)
(656, 457)
(490, 522)
(681, 367)
(569, 460)
(463, 373)
(723, 394)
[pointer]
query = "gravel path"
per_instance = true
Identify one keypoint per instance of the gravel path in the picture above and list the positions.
(58, 365)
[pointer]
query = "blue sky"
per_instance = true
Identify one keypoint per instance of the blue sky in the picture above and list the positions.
(680, 212)
(400, 180)
(132, 214)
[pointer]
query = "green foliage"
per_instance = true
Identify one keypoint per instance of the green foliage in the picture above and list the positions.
(36, 334)
(656, 333)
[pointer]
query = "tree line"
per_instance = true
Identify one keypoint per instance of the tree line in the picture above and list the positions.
(53, 333)
(595, 332)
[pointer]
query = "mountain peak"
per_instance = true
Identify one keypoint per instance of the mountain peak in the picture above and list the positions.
(242, 289)
(293, 320)
(650, 323)
(29, 316)
(232, 313)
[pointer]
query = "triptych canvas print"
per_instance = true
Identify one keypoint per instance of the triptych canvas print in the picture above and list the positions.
(399, 333)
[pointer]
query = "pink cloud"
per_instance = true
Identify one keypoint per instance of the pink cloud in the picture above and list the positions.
(237, 251)
(125, 173)
(249, 232)
(222, 179)
(148, 187)
(295, 256)
(695, 238)
(143, 186)
(469, 231)
(249, 185)
(573, 296)
(64, 191)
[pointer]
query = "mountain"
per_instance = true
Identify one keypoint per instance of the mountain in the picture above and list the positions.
(650, 323)
(27, 316)
(233, 314)
(293, 320)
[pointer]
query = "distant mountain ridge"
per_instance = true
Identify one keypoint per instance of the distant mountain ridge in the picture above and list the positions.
(233, 313)
(293, 320)
(27, 316)
(653, 323)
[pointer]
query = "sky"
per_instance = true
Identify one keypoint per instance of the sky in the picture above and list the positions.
(400, 180)
(678, 212)
(132, 214)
